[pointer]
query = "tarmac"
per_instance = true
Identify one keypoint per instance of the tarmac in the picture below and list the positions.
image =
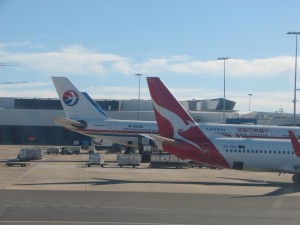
(140, 195)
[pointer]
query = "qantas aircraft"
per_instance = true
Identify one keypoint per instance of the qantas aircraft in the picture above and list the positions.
(86, 117)
(181, 136)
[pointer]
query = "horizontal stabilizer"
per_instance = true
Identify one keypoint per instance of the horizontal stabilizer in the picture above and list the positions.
(68, 122)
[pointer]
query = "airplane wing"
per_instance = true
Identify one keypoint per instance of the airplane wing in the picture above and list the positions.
(159, 140)
(69, 123)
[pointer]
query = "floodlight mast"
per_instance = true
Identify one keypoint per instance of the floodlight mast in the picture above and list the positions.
(295, 83)
(139, 75)
(224, 59)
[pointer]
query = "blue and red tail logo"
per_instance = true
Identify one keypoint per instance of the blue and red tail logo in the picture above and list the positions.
(70, 98)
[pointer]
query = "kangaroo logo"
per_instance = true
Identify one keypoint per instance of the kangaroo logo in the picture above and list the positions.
(70, 98)
(179, 125)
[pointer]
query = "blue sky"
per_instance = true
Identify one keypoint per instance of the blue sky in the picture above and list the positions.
(100, 45)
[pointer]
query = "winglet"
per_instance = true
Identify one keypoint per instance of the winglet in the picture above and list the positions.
(295, 143)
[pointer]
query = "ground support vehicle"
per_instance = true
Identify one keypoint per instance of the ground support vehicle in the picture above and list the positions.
(17, 163)
(27, 154)
(70, 150)
(52, 151)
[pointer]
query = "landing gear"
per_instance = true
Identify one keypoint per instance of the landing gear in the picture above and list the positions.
(296, 178)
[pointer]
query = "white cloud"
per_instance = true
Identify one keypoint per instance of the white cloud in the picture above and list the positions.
(77, 59)
(71, 60)
(260, 67)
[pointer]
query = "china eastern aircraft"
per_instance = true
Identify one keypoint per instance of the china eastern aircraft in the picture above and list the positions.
(86, 117)
(180, 135)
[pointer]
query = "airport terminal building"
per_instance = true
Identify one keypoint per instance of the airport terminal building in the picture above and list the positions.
(29, 121)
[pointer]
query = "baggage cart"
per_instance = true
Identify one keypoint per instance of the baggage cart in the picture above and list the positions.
(129, 160)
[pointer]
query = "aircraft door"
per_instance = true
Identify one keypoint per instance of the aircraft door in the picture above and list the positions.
(206, 150)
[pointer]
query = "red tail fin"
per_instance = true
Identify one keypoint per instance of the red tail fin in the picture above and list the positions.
(295, 143)
(172, 118)
(175, 123)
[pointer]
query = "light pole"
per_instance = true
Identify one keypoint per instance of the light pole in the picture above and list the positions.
(224, 59)
(295, 85)
(139, 75)
(250, 95)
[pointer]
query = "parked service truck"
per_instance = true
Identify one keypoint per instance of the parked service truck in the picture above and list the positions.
(53, 150)
(27, 154)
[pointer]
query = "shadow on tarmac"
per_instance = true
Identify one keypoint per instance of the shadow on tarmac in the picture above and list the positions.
(283, 188)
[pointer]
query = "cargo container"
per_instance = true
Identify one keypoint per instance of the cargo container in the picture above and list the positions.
(129, 160)
(96, 159)
(167, 160)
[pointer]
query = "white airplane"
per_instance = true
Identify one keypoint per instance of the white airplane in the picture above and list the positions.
(180, 135)
(86, 117)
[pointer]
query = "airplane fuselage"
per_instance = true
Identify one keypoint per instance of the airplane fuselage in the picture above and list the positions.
(124, 132)
(127, 132)
(239, 153)
(240, 147)
(258, 154)
(249, 131)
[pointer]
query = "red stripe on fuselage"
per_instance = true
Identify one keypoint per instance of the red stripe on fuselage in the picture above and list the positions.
(115, 131)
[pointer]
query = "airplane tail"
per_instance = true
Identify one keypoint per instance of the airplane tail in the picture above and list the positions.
(172, 119)
(179, 133)
(76, 104)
